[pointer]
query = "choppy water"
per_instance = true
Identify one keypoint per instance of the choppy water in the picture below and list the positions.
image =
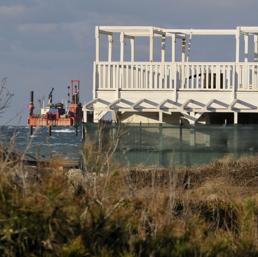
(63, 141)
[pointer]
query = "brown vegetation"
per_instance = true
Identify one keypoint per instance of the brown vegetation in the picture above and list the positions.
(210, 210)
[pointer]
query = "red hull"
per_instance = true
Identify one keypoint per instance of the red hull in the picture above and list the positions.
(42, 121)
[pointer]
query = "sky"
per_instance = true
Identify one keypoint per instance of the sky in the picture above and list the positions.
(46, 43)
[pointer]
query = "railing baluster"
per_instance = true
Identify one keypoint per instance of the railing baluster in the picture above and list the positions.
(104, 76)
(228, 77)
(253, 77)
(218, 86)
(212, 77)
(186, 83)
(156, 77)
(170, 77)
(224, 77)
(141, 76)
(207, 76)
(117, 77)
(146, 76)
(182, 76)
(202, 76)
(165, 76)
(193, 74)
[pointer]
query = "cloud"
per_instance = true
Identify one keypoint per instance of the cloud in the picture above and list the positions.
(45, 40)
(12, 10)
(38, 27)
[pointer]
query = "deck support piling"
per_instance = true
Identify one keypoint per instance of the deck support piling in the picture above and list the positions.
(50, 130)
(160, 117)
(235, 118)
(192, 137)
(31, 130)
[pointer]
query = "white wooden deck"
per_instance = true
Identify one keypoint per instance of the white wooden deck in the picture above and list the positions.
(180, 86)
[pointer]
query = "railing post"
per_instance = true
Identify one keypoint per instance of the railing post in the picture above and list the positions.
(163, 47)
(237, 44)
(246, 46)
(132, 43)
(236, 68)
(110, 47)
(174, 72)
(97, 43)
(234, 86)
(96, 63)
(173, 48)
(183, 49)
(121, 66)
(246, 68)
(256, 48)
(94, 88)
(151, 45)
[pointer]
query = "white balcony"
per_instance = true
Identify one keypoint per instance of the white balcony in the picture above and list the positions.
(180, 86)
(174, 77)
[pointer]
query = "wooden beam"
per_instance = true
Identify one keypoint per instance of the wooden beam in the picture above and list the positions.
(238, 45)
(97, 43)
(122, 44)
(163, 48)
(255, 48)
(151, 55)
(110, 47)
(132, 43)
(173, 48)
(246, 37)
(183, 50)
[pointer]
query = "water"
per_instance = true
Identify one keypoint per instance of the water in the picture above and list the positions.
(151, 145)
(63, 141)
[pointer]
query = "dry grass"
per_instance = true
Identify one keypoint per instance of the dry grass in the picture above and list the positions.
(211, 210)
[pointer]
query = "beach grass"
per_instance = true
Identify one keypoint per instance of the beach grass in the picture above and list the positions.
(209, 210)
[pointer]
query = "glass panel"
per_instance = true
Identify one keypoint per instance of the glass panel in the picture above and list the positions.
(165, 146)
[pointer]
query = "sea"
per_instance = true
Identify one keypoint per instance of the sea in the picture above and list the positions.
(62, 143)
(149, 145)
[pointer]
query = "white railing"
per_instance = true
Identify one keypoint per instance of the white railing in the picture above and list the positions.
(178, 76)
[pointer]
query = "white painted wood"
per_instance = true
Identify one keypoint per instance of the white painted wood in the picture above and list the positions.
(246, 42)
(214, 83)
(151, 55)
(97, 43)
(122, 44)
(163, 48)
(235, 117)
(183, 57)
(256, 48)
(110, 47)
(173, 48)
(132, 43)
(237, 45)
